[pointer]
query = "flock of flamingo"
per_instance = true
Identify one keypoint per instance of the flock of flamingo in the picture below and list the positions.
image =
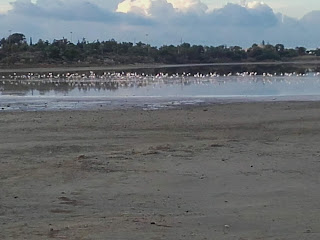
(132, 79)
(134, 75)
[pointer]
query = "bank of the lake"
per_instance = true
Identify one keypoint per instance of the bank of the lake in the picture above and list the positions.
(78, 68)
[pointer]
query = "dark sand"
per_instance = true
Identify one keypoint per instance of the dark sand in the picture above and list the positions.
(236, 171)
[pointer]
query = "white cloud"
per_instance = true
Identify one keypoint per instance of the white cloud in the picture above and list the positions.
(4, 7)
(311, 18)
(188, 5)
(135, 6)
(144, 7)
(257, 5)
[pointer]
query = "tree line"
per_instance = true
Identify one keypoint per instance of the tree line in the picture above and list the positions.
(15, 50)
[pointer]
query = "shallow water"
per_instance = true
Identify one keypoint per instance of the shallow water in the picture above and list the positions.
(151, 91)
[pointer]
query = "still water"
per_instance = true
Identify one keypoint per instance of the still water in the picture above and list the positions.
(113, 90)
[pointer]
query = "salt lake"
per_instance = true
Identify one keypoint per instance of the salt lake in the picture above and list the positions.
(107, 90)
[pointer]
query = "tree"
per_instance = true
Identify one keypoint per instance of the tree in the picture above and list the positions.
(3, 41)
(71, 52)
(53, 52)
(279, 48)
(301, 51)
(16, 38)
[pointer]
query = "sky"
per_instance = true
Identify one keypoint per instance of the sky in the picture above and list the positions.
(158, 22)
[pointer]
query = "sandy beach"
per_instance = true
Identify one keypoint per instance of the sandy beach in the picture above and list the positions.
(239, 171)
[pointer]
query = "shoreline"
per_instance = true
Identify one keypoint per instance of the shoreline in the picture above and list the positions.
(90, 104)
(149, 66)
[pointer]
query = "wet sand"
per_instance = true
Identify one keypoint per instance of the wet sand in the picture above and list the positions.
(234, 171)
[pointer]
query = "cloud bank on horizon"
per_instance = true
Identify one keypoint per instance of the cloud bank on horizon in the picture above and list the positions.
(160, 22)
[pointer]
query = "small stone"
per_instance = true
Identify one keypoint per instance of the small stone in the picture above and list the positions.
(226, 228)
(81, 157)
